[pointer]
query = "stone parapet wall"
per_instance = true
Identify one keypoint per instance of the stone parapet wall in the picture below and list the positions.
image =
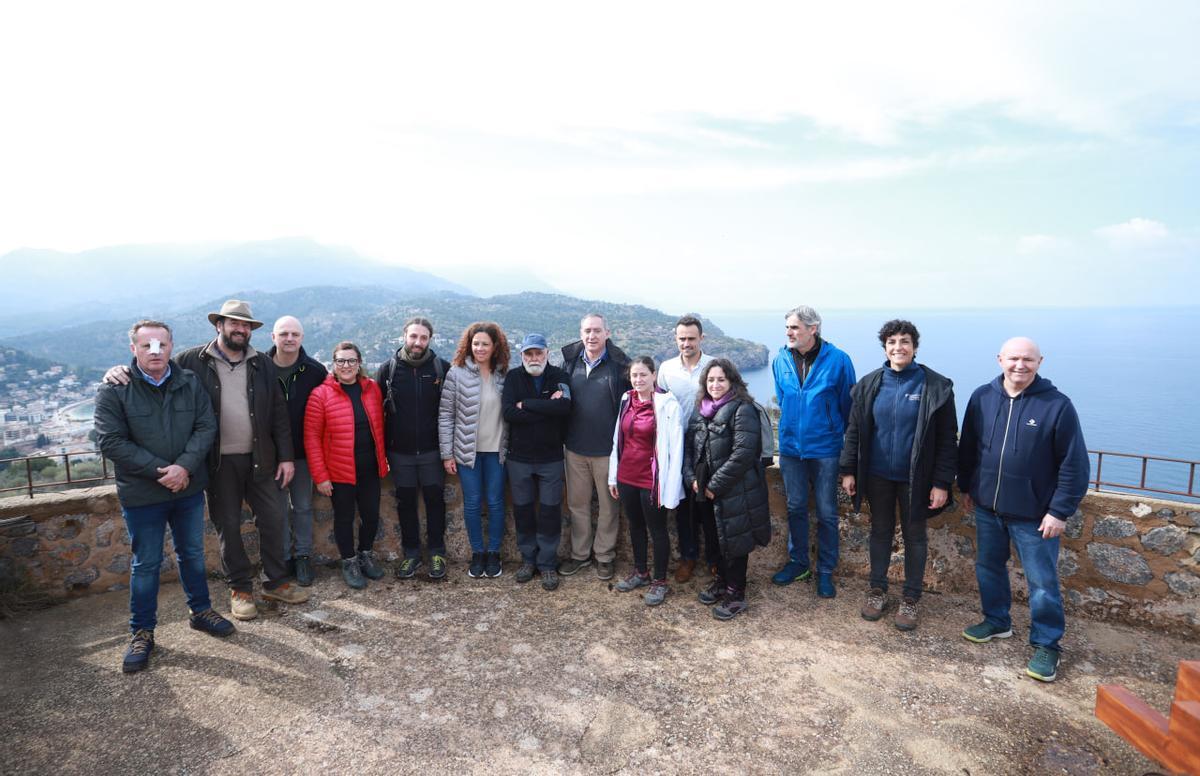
(1124, 558)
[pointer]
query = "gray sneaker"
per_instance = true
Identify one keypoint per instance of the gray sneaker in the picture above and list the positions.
(633, 582)
(549, 579)
(525, 573)
(604, 569)
(657, 592)
(572, 566)
(369, 565)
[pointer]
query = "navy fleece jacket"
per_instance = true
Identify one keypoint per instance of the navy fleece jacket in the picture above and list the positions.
(1023, 457)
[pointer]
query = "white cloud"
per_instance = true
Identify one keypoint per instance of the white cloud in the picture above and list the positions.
(1135, 231)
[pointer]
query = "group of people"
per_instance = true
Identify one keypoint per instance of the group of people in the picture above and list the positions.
(684, 437)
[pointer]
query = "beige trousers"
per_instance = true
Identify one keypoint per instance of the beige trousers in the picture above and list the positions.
(583, 474)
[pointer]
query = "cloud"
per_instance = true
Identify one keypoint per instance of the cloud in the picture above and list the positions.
(1135, 231)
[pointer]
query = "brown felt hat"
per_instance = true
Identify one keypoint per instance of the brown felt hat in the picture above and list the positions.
(236, 309)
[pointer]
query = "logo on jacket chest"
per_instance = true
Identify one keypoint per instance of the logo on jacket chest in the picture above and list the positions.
(912, 397)
(1031, 422)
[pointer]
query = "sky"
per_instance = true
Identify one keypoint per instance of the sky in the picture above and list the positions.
(686, 155)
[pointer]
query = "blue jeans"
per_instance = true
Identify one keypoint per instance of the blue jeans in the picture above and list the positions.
(297, 509)
(1039, 559)
(147, 526)
(821, 473)
(483, 480)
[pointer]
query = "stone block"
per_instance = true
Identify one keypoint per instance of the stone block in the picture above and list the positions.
(1068, 563)
(81, 579)
(25, 547)
(1166, 513)
(25, 527)
(71, 554)
(119, 564)
(104, 533)
(1184, 584)
(1191, 518)
(1119, 564)
(1166, 540)
(1109, 527)
(1140, 509)
(1074, 528)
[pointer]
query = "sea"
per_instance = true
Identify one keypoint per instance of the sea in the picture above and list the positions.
(1130, 372)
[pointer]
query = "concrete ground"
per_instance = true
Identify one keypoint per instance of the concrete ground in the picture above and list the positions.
(487, 676)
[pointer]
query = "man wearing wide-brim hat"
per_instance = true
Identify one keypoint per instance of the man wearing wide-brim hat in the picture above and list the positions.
(251, 458)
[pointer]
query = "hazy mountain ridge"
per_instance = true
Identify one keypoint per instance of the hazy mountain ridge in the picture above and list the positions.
(374, 318)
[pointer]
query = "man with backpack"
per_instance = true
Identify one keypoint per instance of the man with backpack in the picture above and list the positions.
(411, 382)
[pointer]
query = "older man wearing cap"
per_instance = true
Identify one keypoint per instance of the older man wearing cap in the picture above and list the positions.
(536, 403)
(252, 456)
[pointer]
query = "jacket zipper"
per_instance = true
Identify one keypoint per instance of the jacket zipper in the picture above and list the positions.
(1003, 444)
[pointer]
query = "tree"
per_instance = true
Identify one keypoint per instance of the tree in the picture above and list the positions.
(43, 441)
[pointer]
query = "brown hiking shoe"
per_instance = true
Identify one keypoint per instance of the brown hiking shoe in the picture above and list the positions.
(906, 616)
(875, 605)
(685, 571)
(287, 593)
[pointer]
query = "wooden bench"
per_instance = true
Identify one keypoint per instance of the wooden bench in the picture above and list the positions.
(1172, 742)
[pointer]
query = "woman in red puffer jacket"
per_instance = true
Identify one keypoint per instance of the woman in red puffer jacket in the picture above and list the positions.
(343, 438)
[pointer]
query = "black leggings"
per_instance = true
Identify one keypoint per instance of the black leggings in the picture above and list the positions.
(364, 494)
(642, 514)
(885, 496)
(732, 570)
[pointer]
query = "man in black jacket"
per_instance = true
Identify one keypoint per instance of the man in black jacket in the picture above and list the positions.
(536, 402)
(250, 460)
(156, 430)
(599, 374)
(299, 374)
(412, 391)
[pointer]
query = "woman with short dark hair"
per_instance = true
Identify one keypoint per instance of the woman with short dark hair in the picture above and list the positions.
(343, 438)
(901, 447)
(723, 470)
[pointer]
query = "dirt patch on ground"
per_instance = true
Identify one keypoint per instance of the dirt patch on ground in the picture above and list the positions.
(487, 676)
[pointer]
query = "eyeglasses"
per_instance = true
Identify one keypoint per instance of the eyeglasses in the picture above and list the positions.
(345, 362)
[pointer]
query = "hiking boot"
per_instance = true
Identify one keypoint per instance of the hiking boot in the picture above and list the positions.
(408, 568)
(733, 604)
(685, 571)
(657, 592)
(437, 567)
(305, 573)
(210, 622)
(493, 568)
(906, 616)
(241, 605)
(633, 582)
(1043, 666)
(794, 570)
(137, 654)
(604, 569)
(352, 574)
(984, 632)
(549, 579)
(875, 604)
(571, 566)
(370, 567)
(825, 588)
(286, 593)
(525, 573)
(475, 570)
(711, 594)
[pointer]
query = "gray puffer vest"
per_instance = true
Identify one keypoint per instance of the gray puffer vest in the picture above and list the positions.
(458, 413)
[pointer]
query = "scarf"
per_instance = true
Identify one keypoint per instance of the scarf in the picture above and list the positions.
(708, 407)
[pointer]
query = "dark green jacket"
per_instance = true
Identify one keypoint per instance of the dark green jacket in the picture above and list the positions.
(141, 428)
(268, 409)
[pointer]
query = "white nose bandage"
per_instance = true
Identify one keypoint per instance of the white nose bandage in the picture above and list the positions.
(155, 347)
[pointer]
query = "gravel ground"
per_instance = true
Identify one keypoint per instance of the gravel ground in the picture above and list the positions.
(488, 676)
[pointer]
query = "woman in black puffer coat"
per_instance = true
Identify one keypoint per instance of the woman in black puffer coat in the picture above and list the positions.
(723, 471)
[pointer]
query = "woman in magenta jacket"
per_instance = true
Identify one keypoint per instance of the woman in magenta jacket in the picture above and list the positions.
(343, 438)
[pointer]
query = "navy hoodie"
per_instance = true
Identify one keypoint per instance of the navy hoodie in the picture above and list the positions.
(1023, 457)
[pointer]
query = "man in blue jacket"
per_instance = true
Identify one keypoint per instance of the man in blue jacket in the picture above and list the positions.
(1024, 467)
(812, 385)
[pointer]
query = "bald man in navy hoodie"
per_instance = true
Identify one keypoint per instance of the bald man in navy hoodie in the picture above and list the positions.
(1023, 467)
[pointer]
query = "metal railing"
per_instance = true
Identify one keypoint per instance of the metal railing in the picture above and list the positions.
(1099, 482)
(32, 485)
(1096, 483)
